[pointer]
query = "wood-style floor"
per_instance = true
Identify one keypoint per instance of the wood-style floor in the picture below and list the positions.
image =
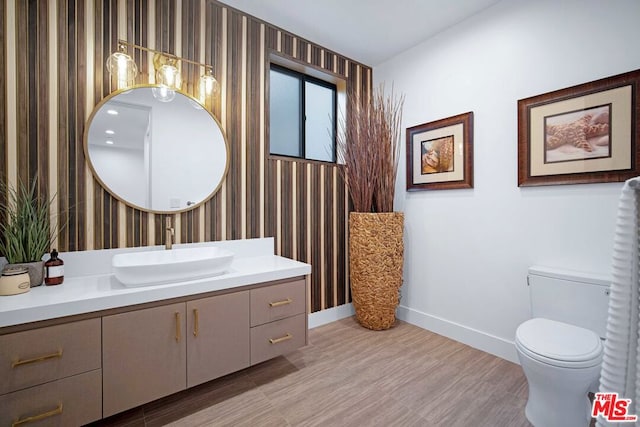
(351, 376)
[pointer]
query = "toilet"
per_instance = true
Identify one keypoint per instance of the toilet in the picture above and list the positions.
(560, 348)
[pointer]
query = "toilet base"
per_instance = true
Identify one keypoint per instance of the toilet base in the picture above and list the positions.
(545, 411)
(558, 397)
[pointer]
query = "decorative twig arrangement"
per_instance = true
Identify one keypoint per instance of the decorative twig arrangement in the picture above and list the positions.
(369, 148)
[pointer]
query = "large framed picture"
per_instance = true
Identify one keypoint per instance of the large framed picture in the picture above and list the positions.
(582, 134)
(440, 154)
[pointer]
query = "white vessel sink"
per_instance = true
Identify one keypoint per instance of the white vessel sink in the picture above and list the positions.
(174, 265)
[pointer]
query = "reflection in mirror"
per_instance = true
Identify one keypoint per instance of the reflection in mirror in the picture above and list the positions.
(153, 155)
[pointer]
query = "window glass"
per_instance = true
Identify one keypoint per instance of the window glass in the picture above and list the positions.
(285, 113)
(319, 123)
(302, 112)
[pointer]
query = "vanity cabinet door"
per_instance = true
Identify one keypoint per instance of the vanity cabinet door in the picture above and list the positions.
(217, 336)
(143, 356)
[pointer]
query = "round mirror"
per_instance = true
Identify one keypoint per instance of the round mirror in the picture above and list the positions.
(156, 152)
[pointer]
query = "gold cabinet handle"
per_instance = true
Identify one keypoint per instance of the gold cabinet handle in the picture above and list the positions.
(178, 333)
(195, 322)
(279, 303)
(281, 339)
(39, 417)
(37, 359)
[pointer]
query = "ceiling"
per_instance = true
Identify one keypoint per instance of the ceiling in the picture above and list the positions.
(368, 31)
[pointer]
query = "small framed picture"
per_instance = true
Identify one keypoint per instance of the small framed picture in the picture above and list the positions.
(582, 134)
(440, 154)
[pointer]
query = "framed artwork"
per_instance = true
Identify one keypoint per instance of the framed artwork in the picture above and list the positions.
(440, 154)
(582, 134)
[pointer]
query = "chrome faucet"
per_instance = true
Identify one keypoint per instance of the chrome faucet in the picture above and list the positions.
(168, 233)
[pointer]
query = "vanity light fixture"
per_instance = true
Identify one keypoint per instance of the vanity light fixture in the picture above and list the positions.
(167, 73)
(109, 132)
(109, 142)
(112, 112)
(122, 66)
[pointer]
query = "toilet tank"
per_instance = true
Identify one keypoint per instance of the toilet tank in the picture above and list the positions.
(573, 297)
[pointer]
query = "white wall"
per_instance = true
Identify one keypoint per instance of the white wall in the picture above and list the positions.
(467, 251)
(111, 163)
(195, 152)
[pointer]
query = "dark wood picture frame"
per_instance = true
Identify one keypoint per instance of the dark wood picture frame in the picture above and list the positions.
(440, 154)
(582, 134)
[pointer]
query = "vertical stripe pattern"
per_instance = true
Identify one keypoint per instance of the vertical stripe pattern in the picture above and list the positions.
(53, 55)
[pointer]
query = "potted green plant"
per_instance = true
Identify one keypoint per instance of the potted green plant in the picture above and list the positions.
(369, 148)
(26, 229)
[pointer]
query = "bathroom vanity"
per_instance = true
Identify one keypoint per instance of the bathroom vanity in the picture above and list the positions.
(91, 347)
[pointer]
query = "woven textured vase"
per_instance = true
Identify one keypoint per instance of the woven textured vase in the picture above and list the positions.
(376, 253)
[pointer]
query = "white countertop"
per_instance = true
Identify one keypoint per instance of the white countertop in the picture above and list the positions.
(254, 262)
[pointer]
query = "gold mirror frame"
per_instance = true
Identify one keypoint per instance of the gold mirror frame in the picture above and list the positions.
(122, 199)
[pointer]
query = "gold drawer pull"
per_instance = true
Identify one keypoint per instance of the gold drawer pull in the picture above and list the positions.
(178, 334)
(277, 340)
(34, 418)
(36, 359)
(279, 303)
(195, 322)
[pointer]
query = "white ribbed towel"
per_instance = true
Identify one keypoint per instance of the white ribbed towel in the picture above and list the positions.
(620, 364)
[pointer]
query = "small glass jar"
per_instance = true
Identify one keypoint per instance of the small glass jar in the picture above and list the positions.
(54, 270)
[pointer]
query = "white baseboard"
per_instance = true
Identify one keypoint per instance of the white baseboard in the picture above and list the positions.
(329, 315)
(472, 337)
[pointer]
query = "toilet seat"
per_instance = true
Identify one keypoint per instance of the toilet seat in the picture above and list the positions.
(559, 344)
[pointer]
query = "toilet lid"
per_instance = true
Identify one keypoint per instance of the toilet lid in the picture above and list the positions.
(559, 343)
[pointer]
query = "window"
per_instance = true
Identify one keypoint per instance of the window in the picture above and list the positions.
(302, 113)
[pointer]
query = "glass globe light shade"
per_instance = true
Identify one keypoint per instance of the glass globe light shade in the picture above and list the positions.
(208, 85)
(120, 65)
(168, 75)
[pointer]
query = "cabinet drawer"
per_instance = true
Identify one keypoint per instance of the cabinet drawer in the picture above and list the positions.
(276, 338)
(277, 302)
(72, 401)
(41, 355)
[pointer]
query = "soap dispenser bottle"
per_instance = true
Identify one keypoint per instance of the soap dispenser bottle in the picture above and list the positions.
(53, 270)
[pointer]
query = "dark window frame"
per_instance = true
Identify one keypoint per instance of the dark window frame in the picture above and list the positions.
(304, 78)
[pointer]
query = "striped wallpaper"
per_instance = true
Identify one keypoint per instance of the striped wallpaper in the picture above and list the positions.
(53, 54)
